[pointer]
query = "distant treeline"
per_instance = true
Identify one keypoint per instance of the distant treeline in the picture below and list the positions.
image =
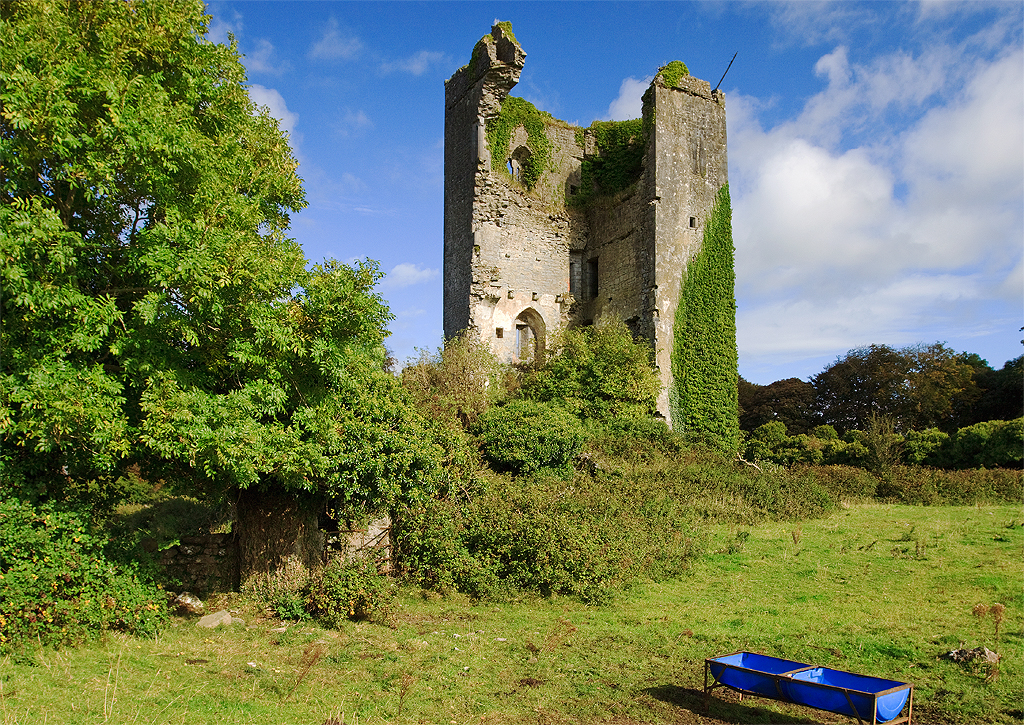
(914, 388)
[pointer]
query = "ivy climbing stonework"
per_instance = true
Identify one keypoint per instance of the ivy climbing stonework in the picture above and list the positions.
(548, 225)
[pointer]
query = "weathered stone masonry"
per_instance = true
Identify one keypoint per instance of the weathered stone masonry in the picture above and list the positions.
(521, 263)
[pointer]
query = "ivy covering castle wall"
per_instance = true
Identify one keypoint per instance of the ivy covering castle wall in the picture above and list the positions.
(704, 357)
(549, 225)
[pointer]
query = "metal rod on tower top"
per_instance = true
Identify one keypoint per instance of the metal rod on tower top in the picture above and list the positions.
(726, 70)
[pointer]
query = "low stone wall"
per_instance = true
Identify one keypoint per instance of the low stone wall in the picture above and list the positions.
(205, 564)
(202, 564)
(372, 540)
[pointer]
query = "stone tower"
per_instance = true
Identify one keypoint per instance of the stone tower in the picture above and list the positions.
(561, 226)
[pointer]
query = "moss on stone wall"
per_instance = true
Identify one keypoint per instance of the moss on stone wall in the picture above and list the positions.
(619, 162)
(671, 74)
(506, 30)
(704, 361)
(517, 112)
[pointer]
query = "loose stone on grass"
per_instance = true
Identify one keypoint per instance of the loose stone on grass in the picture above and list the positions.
(223, 617)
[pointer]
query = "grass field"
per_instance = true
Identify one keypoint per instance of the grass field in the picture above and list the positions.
(876, 589)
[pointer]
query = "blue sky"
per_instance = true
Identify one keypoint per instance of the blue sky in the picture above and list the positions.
(876, 150)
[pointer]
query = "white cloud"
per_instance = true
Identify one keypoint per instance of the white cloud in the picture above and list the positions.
(628, 104)
(890, 208)
(352, 122)
(277, 107)
(406, 275)
(220, 27)
(416, 64)
(334, 45)
(262, 60)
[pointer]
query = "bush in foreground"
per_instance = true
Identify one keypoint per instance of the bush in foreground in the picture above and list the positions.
(345, 590)
(525, 436)
(57, 586)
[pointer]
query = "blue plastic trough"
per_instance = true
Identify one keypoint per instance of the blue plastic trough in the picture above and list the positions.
(868, 699)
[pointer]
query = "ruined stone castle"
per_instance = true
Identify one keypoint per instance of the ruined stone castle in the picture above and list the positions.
(548, 225)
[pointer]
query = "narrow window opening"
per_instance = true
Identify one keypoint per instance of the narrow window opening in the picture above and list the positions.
(693, 222)
(576, 274)
(573, 190)
(499, 332)
(592, 282)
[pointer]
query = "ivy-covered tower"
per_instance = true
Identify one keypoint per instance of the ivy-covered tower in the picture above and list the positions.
(547, 224)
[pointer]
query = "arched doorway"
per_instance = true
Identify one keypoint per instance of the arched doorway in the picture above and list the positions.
(531, 334)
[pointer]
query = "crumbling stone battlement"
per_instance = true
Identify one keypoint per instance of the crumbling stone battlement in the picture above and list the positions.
(528, 250)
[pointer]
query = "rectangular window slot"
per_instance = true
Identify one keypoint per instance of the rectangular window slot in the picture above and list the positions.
(499, 332)
(693, 222)
(592, 277)
(576, 274)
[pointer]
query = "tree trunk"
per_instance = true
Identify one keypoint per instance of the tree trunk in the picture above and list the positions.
(278, 535)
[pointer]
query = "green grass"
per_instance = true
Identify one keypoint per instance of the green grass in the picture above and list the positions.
(877, 589)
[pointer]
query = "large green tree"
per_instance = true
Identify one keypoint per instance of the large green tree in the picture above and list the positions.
(916, 387)
(154, 310)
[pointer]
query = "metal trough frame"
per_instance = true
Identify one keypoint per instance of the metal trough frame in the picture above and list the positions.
(778, 678)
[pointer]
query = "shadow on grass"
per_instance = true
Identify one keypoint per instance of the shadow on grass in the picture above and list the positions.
(693, 700)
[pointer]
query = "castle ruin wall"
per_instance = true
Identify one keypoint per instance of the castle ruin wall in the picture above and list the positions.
(521, 264)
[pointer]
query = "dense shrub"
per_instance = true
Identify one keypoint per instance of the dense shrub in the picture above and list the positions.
(58, 587)
(524, 436)
(345, 590)
(582, 537)
(458, 382)
(632, 516)
(995, 443)
(936, 487)
(598, 373)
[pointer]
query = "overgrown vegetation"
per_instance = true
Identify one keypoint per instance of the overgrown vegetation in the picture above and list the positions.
(618, 164)
(672, 73)
(517, 112)
(854, 594)
(992, 444)
(703, 397)
(58, 585)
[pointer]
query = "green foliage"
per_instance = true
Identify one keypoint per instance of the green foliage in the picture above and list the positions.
(640, 512)
(57, 586)
(791, 401)
(703, 398)
(289, 605)
(350, 590)
(517, 112)
(543, 533)
(920, 446)
(155, 312)
(458, 382)
(621, 147)
(524, 436)
(992, 444)
(598, 373)
(918, 386)
(1000, 392)
(671, 74)
(506, 30)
